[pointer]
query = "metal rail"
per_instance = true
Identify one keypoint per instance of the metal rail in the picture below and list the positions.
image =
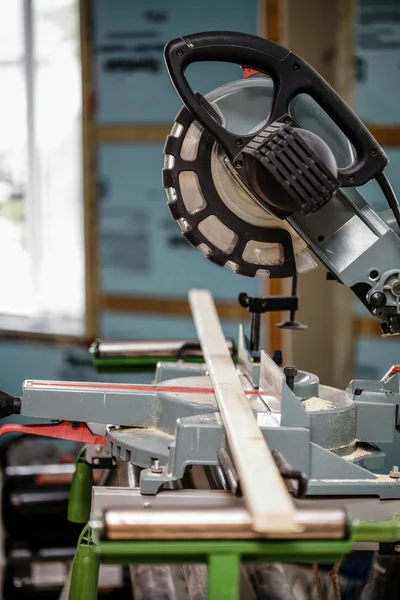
(207, 523)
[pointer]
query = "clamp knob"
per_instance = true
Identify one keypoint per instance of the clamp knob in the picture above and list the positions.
(290, 373)
(378, 300)
(9, 405)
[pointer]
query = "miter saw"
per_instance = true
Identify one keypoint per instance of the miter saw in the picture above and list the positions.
(258, 202)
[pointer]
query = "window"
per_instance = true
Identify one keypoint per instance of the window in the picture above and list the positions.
(42, 278)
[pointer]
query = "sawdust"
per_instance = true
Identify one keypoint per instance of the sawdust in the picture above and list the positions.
(387, 478)
(376, 479)
(358, 453)
(317, 404)
(354, 451)
(202, 399)
(339, 398)
(138, 434)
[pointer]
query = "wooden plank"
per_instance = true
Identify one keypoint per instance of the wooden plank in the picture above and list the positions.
(126, 134)
(268, 500)
(166, 306)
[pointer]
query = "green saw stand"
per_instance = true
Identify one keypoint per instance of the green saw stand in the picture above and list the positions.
(222, 557)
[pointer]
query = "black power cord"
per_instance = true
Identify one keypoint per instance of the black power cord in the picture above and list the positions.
(390, 196)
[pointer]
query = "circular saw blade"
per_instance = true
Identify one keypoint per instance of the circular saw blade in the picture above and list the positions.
(216, 211)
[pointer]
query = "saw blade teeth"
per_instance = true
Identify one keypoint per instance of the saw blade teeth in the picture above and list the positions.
(184, 225)
(177, 129)
(232, 265)
(169, 161)
(172, 196)
(206, 250)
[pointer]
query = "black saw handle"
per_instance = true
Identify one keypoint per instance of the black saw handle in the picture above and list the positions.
(291, 76)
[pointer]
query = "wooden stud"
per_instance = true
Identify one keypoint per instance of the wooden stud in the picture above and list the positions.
(275, 341)
(342, 299)
(386, 135)
(369, 327)
(49, 338)
(126, 134)
(165, 306)
(272, 30)
(329, 51)
(89, 168)
(267, 498)
(273, 20)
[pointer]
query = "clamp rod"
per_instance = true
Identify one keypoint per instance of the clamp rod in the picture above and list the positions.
(149, 348)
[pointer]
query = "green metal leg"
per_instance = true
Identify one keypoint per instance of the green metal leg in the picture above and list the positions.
(376, 531)
(223, 577)
(80, 498)
(85, 570)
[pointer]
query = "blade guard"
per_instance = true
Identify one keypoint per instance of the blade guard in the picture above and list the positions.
(190, 221)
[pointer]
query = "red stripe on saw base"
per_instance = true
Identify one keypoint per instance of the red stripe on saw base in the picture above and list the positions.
(131, 387)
